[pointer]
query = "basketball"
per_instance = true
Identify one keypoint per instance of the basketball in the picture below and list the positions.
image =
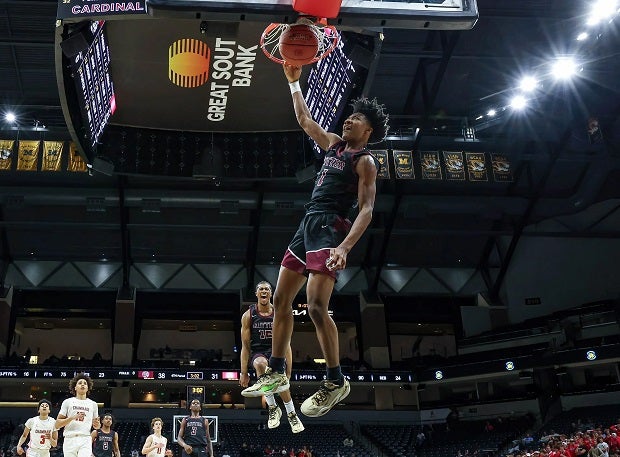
(299, 44)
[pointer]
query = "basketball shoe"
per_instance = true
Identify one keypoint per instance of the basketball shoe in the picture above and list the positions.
(269, 382)
(328, 395)
(296, 425)
(275, 413)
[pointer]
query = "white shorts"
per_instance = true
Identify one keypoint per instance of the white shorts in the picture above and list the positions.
(77, 446)
(34, 452)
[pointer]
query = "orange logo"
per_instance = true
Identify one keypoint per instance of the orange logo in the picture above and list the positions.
(188, 62)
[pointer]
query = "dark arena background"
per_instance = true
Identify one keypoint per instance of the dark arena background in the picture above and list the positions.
(152, 172)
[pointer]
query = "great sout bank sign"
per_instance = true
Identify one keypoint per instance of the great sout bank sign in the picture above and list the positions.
(96, 8)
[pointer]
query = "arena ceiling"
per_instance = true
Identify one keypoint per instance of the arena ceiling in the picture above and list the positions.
(158, 231)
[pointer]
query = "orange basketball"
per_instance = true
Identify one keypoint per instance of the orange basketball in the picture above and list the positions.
(299, 44)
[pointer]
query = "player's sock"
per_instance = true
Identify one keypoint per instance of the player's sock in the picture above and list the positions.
(277, 364)
(271, 401)
(290, 406)
(335, 375)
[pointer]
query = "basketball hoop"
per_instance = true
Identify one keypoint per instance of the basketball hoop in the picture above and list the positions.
(327, 35)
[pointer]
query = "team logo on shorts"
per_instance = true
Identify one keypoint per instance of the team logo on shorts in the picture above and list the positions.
(188, 62)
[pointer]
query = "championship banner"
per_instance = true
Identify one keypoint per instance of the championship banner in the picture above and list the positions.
(382, 157)
(75, 163)
(431, 167)
(502, 168)
(6, 154)
(52, 154)
(98, 8)
(455, 166)
(476, 166)
(403, 165)
(28, 155)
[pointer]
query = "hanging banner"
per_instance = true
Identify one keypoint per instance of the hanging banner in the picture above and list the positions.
(431, 167)
(52, 155)
(502, 168)
(6, 154)
(403, 165)
(98, 8)
(75, 163)
(382, 157)
(455, 166)
(476, 166)
(28, 155)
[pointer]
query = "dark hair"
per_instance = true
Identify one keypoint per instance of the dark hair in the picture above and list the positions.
(108, 415)
(376, 115)
(263, 282)
(76, 378)
(44, 400)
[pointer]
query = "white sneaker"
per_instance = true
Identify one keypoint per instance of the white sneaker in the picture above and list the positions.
(328, 395)
(296, 425)
(269, 382)
(275, 413)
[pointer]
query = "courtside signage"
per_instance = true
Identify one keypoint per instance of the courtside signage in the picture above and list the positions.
(97, 8)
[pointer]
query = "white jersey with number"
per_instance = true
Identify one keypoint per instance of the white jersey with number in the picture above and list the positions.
(38, 432)
(156, 440)
(72, 406)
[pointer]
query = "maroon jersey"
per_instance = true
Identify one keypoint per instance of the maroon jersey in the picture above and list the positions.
(335, 188)
(261, 331)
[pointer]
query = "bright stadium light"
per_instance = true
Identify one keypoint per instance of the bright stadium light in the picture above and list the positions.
(601, 10)
(491, 113)
(528, 83)
(518, 102)
(564, 68)
(10, 117)
(582, 36)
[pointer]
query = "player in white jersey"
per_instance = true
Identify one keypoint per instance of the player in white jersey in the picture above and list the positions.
(78, 415)
(43, 435)
(155, 444)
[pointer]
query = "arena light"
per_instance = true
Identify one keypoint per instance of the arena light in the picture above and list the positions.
(582, 36)
(564, 68)
(10, 117)
(528, 84)
(601, 10)
(518, 102)
(591, 355)
(491, 113)
(510, 365)
(438, 375)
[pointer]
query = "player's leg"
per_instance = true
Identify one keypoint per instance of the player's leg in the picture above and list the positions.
(85, 447)
(260, 363)
(323, 232)
(291, 414)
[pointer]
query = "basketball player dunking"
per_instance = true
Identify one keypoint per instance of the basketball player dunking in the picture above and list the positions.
(43, 435)
(197, 442)
(323, 240)
(78, 415)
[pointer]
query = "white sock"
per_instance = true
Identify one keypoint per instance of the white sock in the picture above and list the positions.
(271, 401)
(290, 406)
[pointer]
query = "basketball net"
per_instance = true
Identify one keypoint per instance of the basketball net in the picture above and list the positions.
(327, 35)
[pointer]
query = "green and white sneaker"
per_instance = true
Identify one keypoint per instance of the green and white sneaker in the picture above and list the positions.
(275, 413)
(269, 382)
(296, 425)
(328, 395)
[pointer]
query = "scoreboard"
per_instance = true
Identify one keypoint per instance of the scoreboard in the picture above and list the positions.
(200, 376)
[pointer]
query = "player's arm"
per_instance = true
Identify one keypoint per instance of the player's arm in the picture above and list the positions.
(246, 342)
(93, 435)
(63, 420)
(322, 137)
(148, 445)
(289, 361)
(180, 439)
(366, 192)
(22, 440)
(117, 450)
(209, 438)
(54, 439)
